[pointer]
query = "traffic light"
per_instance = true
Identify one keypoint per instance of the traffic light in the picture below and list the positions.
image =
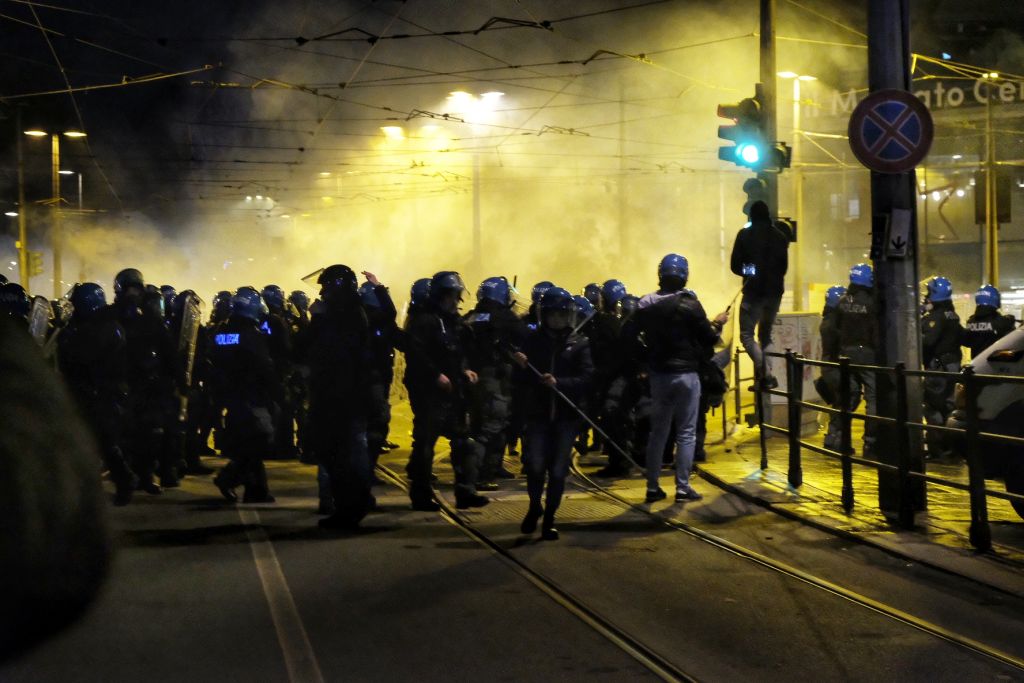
(756, 190)
(35, 263)
(753, 148)
(747, 132)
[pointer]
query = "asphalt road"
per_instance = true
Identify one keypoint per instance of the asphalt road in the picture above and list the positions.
(202, 591)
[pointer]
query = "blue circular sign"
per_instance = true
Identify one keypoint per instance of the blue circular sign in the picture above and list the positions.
(891, 131)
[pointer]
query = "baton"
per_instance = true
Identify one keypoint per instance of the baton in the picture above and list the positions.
(580, 412)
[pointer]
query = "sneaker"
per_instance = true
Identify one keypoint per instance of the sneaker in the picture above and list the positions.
(687, 495)
(656, 495)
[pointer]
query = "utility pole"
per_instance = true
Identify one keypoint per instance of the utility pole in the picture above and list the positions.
(895, 278)
(57, 230)
(23, 271)
(798, 191)
(768, 98)
(991, 204)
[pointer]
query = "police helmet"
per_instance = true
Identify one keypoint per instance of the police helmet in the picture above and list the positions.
(584, 309)
(593, 294)
(300, 300)
(674, 266)
(87, 298)
(628, 305)
(419, 293)
(338, 278)
(221, 306)
(153, 304)
(15, 300)
(178, 305)
(988, 295)
(3, 279)
(129, 277)
(247, 303)
(538, 290)
(368, 295)
(612, 292)
(862, 275)
(557, 299)
(168, 292)
(939, 289)
(833, 295)
(445, 282)
(496, 289)
(273, 296)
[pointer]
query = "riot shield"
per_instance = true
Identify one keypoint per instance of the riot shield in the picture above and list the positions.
(39, 319)
(191, 319)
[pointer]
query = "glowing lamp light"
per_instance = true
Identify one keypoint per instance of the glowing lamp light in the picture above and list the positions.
(74, 134)
(936, 195)
(748, 153)
(35, 133)
(958, 156)
(325, 174)
(12, 214)
(66, 172)
(248, 197)
(787, 74)
(393, 132)
(259, 197)
(960, 193)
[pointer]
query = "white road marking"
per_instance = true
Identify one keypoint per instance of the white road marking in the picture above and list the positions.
(291, 634)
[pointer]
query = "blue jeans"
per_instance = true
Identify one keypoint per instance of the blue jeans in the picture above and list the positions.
(547, 447)
(675, 398)
(759, 312)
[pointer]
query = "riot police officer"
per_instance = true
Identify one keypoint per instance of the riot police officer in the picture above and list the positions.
(940, 346)
(220, 307)
(592, 293)
(337, 351)
(858, 338)
(382, 316)
(987, 325)
(497, 331)
(606, 352)
(560, 360)
(246, 388)
(91, 354)
(828, 384)
(437, 375)
(532, 316)
(279, 332)
(150, 374)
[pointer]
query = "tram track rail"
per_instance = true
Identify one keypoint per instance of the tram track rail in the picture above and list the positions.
(881, 608)
(652, 660)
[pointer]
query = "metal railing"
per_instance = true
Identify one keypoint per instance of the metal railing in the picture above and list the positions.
(980, 533)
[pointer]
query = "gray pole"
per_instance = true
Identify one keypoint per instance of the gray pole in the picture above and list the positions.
(895, 279)
(768, 77)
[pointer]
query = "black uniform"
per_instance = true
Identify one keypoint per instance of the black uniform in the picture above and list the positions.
(383, 335)
(496, 332)
(150, 374)
(857, 338)
(279, 339)
(436, 344)
(246, 386)
(91, 353)
(985, 328)
(941, 333)
(336, 348)
(608, 388)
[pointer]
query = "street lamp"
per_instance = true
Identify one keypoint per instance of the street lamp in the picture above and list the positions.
(57, 234)
(798, 184)
(66, 172)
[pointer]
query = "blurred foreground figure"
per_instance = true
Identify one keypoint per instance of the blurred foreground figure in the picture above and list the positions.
(55, 542)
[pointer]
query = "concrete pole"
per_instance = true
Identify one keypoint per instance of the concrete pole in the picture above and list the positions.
(768, 77)
(23, 271)
(991, 205)
(895, 279)
(56, 234)
(798, 190)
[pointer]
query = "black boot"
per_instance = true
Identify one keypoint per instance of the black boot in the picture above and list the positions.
(465, 499)
(529, 524)
(548, 532)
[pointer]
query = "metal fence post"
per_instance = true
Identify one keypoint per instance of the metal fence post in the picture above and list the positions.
(759, 396)
(794, 394)
(902, 437)
(845, 439)
(980, 534)
(737, 377)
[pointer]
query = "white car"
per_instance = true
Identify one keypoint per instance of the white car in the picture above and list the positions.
(1000, 411)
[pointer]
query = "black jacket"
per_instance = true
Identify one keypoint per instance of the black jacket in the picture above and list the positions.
(568, 359)
(856, 318)
(497, 331)
(985, 328)
(676, 332)
(384, 335)
(767, 249)
(336, 348)
(92, 356)
(241, 366)
(940, 335)
(436, 344)
(829, 331)
(605, 334)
